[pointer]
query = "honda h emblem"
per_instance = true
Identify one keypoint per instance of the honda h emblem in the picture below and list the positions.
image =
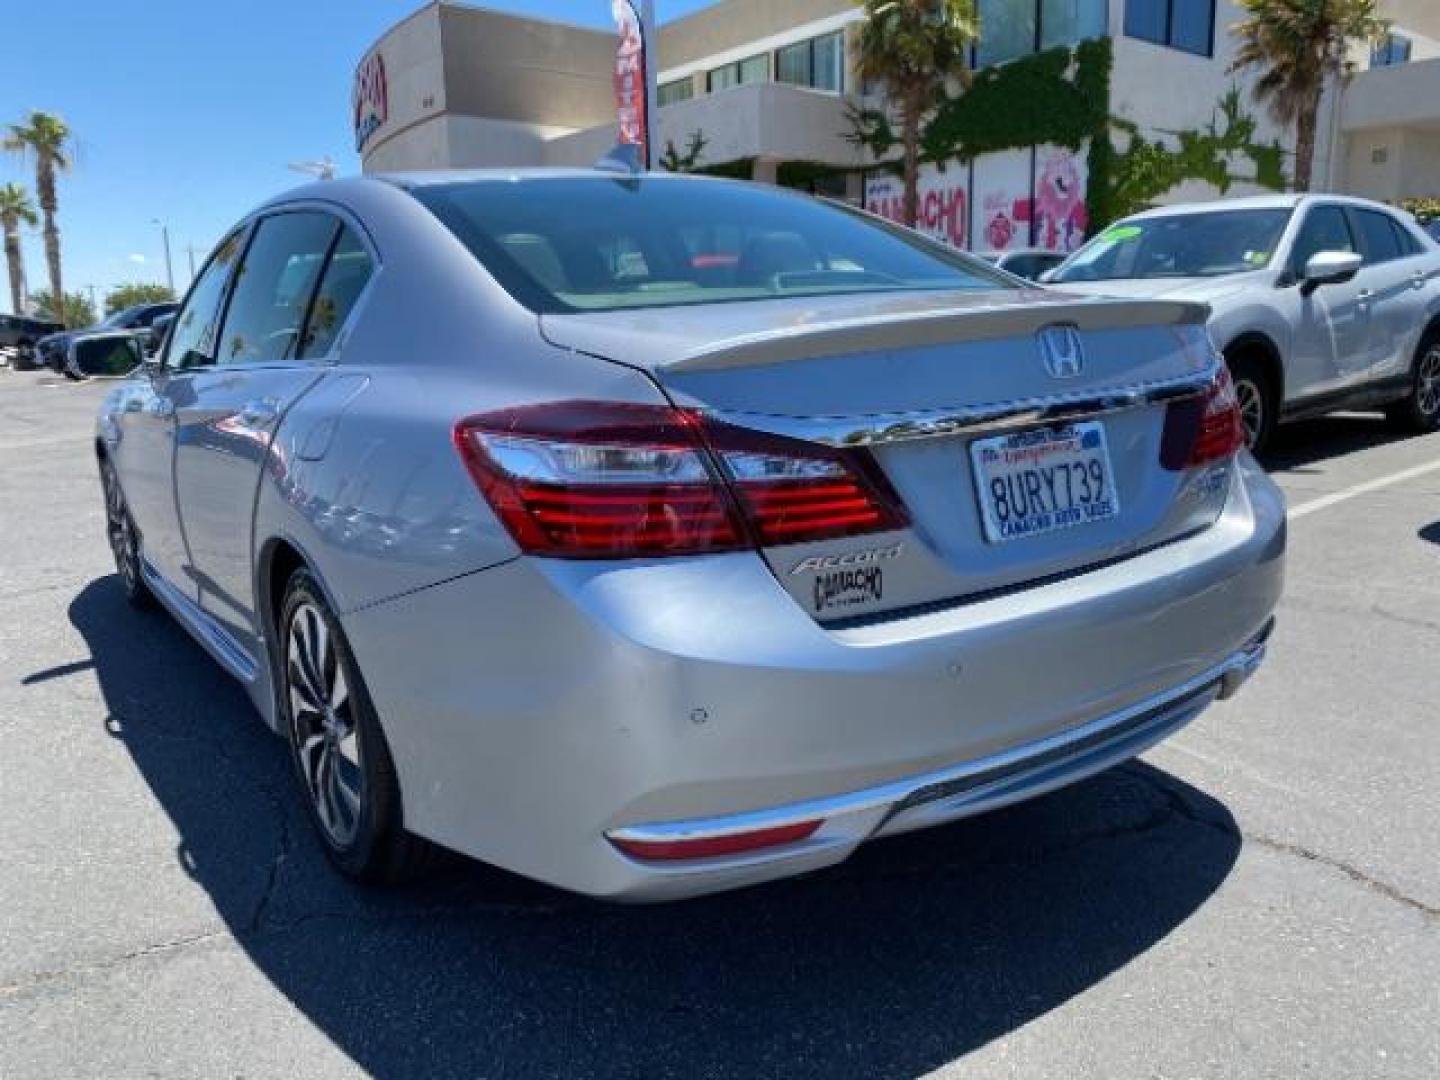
(1061, 350)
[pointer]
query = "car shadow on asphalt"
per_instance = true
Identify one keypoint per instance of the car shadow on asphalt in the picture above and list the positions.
(917, 950)
(1297, 448)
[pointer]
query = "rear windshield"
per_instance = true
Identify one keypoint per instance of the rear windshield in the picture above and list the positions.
(603, 244)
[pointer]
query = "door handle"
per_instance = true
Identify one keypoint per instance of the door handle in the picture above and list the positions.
(260, 413)
(1417, 281)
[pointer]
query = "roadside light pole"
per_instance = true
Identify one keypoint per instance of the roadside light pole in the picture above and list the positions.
(169, 271)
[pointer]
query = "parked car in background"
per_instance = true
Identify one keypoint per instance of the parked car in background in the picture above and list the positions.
(1028, 263)
(18, 335)
(54, 350)
(650, 576)
(1318, 302)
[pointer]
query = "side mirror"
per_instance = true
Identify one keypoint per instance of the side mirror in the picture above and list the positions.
(1329, 268)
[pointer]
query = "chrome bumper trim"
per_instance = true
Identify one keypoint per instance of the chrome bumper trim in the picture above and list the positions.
(975, 785)
(973, 420)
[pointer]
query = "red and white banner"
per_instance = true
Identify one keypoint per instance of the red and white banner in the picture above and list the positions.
(632, 91)
(943, 212)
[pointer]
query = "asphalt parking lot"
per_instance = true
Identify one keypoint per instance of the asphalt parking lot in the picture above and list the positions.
(1259, 897)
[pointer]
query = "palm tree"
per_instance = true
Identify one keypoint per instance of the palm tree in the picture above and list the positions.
(914, 48)
(1300, 45)
(15, 209)
(46, 137)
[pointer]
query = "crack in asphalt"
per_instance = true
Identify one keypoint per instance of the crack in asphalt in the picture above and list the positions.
(1182, 807)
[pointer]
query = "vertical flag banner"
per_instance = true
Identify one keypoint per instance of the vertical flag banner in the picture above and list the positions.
(632, 76)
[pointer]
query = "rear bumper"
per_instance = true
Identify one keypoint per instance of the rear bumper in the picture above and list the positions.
(929, 799)
(537, 712)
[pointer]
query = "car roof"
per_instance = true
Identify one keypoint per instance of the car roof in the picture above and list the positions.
(1256, 202)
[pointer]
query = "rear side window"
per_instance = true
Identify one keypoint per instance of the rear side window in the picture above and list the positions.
(601, 244)
(1409, 245)
(192, 335)
(1378, 242)
(345, 278)
(1324, 229)
(273, 290)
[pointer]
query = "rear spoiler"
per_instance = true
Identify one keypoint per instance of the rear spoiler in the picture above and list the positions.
(934, 326)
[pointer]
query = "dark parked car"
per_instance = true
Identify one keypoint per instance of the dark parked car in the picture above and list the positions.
(19, 332)
(138, 319)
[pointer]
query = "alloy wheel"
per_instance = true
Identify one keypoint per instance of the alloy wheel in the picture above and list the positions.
(1251, 401)
(120, 530)
(1427, 383)
(322, 715)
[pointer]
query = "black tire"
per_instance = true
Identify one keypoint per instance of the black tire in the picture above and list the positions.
(124, 539)
(365, 839)
(1418, 412)
(1259, 400)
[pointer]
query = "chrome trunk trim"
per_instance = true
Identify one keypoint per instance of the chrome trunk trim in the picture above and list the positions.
(881, 428)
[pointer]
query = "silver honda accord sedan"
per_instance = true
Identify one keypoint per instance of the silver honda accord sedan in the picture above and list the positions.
(652, 536)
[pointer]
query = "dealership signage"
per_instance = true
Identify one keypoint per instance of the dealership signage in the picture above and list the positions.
(632, 74)
(1032, 196)
(944, 204)
(370, 99)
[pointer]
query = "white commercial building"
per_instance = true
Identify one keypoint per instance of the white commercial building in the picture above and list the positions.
(769, 86)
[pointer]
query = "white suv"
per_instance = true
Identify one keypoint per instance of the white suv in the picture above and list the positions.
(1319, 302)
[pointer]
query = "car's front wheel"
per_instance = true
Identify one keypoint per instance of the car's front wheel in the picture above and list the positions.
(1420, 411)
(124, 539)
(336, 744)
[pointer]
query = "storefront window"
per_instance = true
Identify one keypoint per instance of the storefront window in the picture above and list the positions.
(1064, 22)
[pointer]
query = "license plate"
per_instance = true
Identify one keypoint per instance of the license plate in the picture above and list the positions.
(1034, 482)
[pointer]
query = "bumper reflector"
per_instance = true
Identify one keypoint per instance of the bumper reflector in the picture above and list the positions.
(711, 847)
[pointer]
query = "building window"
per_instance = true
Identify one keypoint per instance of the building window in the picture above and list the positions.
(752, 70)
(1393, 49)
(1187, 25)
(1008, 28)
(671, 92)
(1065, 22)
(818, 63)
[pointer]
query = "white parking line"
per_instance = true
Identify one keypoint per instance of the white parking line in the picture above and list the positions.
(1346, 494)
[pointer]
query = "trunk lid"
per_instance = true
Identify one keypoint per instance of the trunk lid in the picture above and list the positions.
(909, 377)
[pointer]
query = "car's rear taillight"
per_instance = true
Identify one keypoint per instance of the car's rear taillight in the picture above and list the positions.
(602, 480)
(1203, 429)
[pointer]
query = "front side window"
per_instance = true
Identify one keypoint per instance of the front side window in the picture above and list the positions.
(273, 290)
(192, 334)
(1324, 229)
(593, 244)
(1187, 25)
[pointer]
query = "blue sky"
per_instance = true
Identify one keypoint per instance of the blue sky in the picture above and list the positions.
(189, 110)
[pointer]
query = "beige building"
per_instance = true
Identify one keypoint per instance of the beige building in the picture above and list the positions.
(768, 84)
